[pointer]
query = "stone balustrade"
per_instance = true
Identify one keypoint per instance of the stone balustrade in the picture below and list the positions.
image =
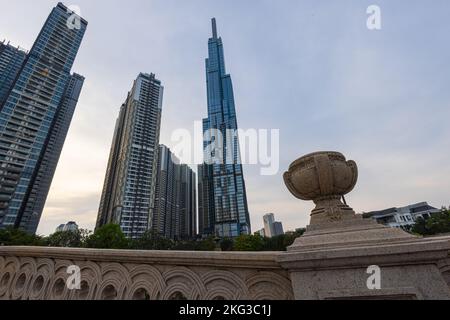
(410, 272)
(41, 273)
(331, 261)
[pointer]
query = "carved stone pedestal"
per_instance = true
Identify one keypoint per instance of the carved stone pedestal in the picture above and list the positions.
(342, 255)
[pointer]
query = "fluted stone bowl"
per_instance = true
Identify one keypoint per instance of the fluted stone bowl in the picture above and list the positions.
(321, 175)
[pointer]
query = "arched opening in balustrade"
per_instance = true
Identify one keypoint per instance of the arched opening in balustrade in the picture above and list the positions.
(141, 294)
(58, 288)
(38, 284)
(177, 296)
(446, 276)
(109, 293)
(4, 281)
(20, 283)
(83, 293)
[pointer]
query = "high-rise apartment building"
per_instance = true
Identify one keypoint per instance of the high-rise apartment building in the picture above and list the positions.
(129, 190)
(278, 227)
(269, 227)
(175, 214)
(272, 228)
(223, 209)
(38, 95)
(11, 60)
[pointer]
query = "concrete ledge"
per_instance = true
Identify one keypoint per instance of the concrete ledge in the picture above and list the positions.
(37, 273)
(260, 260)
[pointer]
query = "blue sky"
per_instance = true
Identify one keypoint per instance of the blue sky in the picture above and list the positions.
(309, 68)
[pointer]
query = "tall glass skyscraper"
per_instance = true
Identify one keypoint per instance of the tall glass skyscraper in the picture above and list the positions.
(223, 209)
(129, 190)
(11, 60)
(37, 108)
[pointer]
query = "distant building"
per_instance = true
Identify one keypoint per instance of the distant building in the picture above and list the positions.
(261, 233)
(269, 221)
(404, 217)
(272, 228)
(278, 226)
(70, 226)
(175, 213)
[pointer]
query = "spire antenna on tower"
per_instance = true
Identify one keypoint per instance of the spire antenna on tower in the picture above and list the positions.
(214, 28)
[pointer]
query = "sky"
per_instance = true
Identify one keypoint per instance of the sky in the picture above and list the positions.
(310, 68)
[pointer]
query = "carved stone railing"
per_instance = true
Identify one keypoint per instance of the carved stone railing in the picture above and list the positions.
(341, 256)
(42, 273)
(30, 273)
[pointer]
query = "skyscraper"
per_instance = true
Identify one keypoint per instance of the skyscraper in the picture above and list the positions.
(269, 225)
(175, 214)
(11, 60)
(272, 228)
(39, 96)
(129, 190)
(223, 209)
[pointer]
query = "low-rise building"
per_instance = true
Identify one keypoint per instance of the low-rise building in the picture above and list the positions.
(70, 226)
(404, 217)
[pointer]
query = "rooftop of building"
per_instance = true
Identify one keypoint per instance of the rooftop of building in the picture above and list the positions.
(413, 208)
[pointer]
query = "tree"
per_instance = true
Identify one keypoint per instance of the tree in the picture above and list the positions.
(249, 243)
(17, 237)
(436, 224)
(227, 244)
(68, 239)
(109, 236)
(151, 241)
(208, 244)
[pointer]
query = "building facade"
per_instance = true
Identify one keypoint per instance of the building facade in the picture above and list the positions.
(69, 226)
(175, 214)
(129, 190)
(404, 217)
(269, 228)
(35, 115)
(223, 208)
(11, 60)
(272, 228)
(279, 230)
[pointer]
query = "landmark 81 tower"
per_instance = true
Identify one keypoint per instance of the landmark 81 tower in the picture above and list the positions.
(223, 209)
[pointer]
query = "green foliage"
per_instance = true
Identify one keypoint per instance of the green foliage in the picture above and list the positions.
(196, 245)
(17, 237)
(227, 244)
(68, 239)
(249, 243)
(258, 243)
(151, 241)
(112, 237)
(206, 245)
(437, 224)
(107, 237)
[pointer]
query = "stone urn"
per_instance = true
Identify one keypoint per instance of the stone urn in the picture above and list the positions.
(323, 177)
